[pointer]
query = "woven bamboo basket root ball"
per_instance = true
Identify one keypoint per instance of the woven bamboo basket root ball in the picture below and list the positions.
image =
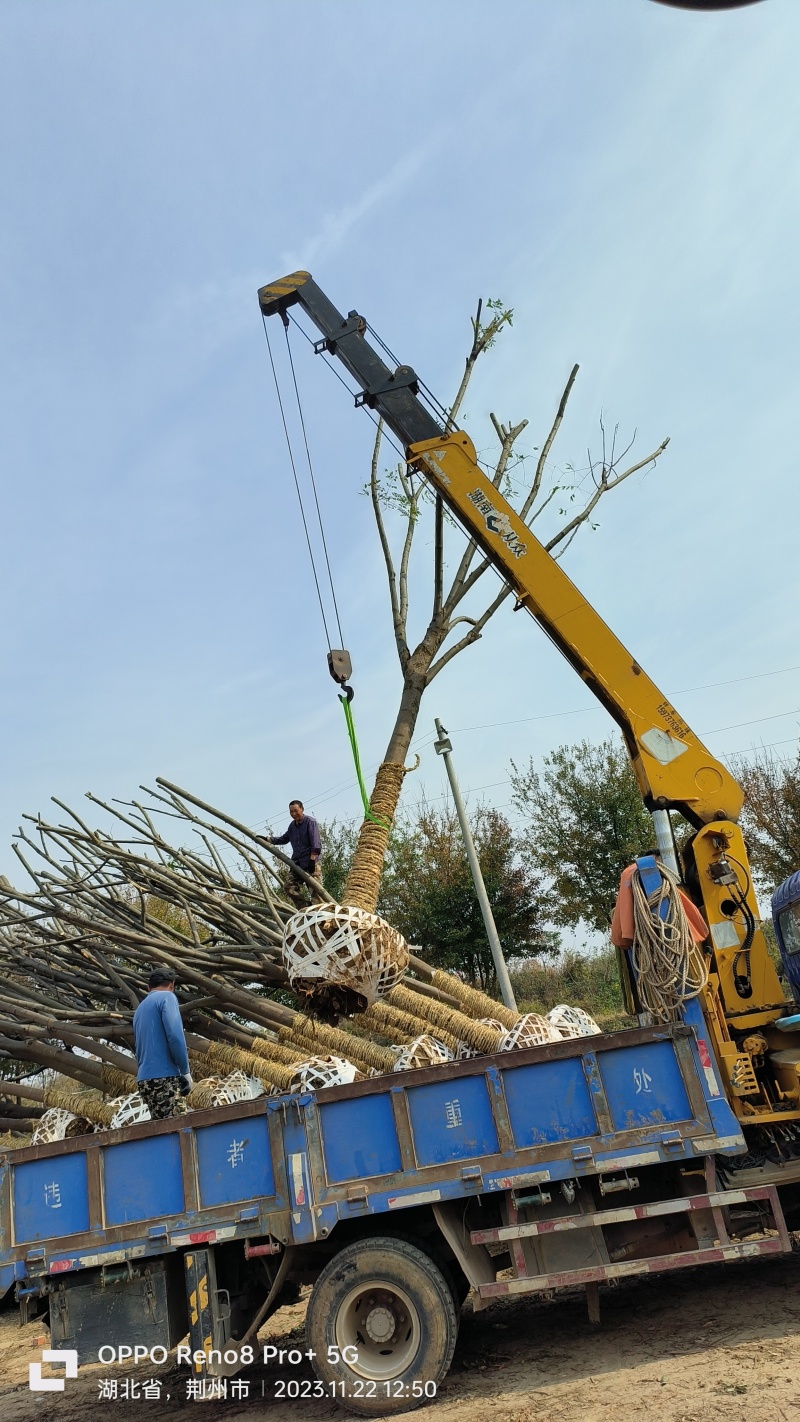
(531, 1030)
(128, 1111)
(572, 1021)
(465, 1052)
(341, 959)
(424, 1051)
(55, 1123)
(319, 1072)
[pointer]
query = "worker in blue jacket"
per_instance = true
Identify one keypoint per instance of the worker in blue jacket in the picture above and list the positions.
(160, 1045)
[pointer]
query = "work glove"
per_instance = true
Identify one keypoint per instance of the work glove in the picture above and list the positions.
(186, 1084)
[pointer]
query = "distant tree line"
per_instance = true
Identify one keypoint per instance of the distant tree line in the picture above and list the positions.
(427, 891)
(771, 818)
(582, 821)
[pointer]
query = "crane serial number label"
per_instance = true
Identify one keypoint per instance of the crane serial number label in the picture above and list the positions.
(673, 720)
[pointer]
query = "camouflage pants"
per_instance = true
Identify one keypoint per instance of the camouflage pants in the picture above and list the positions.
(161, 1095)
(296, 888)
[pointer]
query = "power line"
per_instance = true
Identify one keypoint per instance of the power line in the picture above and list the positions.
(751, 750)
(421, 742)
(755, 676)
(474, 789)
(779, 715)
(595, 706)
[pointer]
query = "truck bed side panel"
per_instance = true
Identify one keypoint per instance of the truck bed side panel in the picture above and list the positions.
(292, 1167)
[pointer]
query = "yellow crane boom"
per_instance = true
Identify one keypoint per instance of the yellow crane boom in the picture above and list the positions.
(674, 769)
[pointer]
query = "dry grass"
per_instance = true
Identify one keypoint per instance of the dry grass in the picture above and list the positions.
(580, 979)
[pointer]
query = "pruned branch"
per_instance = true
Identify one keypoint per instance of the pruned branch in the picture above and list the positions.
(438, 557)
(398, 620)
(473, 635)
(609, 479)
(411, 524)
(462, 584)
(482, 338)
(533, 492)
(105, 906)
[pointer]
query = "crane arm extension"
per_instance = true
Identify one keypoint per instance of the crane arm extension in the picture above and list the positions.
(672, 766)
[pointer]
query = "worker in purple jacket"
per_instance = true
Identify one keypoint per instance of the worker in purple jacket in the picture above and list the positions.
(160, 1045)
(303, 836)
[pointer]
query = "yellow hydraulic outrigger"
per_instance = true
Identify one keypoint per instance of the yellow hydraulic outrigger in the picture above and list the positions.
(674, 770)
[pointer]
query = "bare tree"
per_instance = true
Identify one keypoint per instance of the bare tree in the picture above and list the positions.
(450, 629)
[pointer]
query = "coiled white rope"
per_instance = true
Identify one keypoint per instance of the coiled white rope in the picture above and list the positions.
(670, 968)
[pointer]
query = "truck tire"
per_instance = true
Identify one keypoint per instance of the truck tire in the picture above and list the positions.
(382, 1324)
(457, 1281)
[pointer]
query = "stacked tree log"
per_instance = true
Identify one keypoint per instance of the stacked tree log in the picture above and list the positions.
(169, 881)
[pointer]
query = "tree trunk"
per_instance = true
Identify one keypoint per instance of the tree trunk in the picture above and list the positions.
(363, 882)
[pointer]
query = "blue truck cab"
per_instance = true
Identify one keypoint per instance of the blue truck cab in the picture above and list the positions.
(573, 1163)
(786, 921)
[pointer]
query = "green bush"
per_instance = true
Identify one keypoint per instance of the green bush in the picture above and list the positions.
(579, 979)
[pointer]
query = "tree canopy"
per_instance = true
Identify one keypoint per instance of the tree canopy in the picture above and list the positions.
(428, 894)
(586, 822)
(771, 815)
(338, 844)
(427, 890)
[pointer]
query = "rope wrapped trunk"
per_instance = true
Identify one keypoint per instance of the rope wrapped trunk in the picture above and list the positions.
(364, 880)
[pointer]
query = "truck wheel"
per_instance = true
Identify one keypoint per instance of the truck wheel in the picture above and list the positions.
(382, 1324)
(457, 1281)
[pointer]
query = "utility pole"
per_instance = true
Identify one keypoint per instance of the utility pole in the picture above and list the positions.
(444, 747)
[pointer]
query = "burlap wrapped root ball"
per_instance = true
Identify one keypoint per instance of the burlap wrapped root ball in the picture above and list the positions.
(341, 959)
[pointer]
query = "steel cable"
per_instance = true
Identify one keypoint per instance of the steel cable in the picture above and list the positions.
(297, 487)
(314, 487)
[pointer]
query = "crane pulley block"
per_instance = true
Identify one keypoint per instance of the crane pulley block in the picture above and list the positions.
(339, 665)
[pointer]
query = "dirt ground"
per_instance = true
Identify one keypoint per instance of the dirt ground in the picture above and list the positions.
(720, 1344)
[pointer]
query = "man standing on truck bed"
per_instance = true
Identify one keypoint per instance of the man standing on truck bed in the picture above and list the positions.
(160, 1046)
(303, 835)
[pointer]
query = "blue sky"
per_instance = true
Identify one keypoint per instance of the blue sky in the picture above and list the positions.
(623, 174)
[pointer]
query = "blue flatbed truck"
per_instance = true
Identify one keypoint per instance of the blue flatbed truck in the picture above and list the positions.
(564, 1165)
